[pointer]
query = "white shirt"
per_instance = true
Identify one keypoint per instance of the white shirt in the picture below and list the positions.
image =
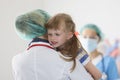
(81, 61)
(43, 63)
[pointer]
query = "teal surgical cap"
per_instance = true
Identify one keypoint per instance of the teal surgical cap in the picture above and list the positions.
(93, 27)
(31, 24)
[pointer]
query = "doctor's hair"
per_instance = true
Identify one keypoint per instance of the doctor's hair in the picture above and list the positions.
(95, 28)
(71, 47)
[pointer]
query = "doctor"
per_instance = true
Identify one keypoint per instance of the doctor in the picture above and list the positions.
(40, 61)
(91, 35)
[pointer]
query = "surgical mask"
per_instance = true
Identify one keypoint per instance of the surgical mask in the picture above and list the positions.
(89, 44)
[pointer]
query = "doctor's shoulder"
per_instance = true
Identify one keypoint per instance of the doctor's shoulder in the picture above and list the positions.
(109, 59)
(20, 58)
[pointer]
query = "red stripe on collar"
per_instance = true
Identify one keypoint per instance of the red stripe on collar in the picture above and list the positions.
(39, 45)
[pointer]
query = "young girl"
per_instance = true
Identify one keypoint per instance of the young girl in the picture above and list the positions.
(61, 35)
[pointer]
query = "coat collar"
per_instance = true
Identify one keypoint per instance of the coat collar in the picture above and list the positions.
(39, 42)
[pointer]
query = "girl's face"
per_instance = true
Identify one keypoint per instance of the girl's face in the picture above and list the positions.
(58, 37)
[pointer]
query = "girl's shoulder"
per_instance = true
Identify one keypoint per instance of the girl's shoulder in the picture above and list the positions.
(83, 57)
(82, 53)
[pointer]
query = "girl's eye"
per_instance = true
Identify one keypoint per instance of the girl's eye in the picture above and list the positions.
(57, 34)
(49, 34)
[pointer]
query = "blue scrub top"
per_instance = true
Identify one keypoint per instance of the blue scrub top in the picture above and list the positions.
(108, 65)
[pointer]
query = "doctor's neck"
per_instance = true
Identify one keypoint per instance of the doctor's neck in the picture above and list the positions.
(43, 37)
(94, 54)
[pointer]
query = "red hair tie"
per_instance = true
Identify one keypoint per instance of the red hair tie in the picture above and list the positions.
(76, 33)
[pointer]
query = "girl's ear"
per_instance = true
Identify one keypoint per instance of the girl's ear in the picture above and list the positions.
(69, 35)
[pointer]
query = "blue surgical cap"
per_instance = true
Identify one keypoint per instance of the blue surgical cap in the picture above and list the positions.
(93, 27)
(31, 24)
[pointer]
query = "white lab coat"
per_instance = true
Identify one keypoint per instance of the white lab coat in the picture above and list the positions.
(43, 63)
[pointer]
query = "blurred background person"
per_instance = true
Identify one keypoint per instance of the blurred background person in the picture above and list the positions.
(111, 48)
(115, 53)
(90, 37)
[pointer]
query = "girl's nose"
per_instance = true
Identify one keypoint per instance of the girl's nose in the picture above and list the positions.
(52, 37)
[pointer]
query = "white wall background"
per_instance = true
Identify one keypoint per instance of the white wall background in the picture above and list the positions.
(104, 13)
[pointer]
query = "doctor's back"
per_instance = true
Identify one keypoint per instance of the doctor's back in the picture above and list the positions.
(38, 63)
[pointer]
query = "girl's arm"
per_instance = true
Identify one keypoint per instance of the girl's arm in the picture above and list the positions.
(95, 73)
(84, 58)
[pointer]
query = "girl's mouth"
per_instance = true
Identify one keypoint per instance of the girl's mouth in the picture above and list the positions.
(53, 42)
